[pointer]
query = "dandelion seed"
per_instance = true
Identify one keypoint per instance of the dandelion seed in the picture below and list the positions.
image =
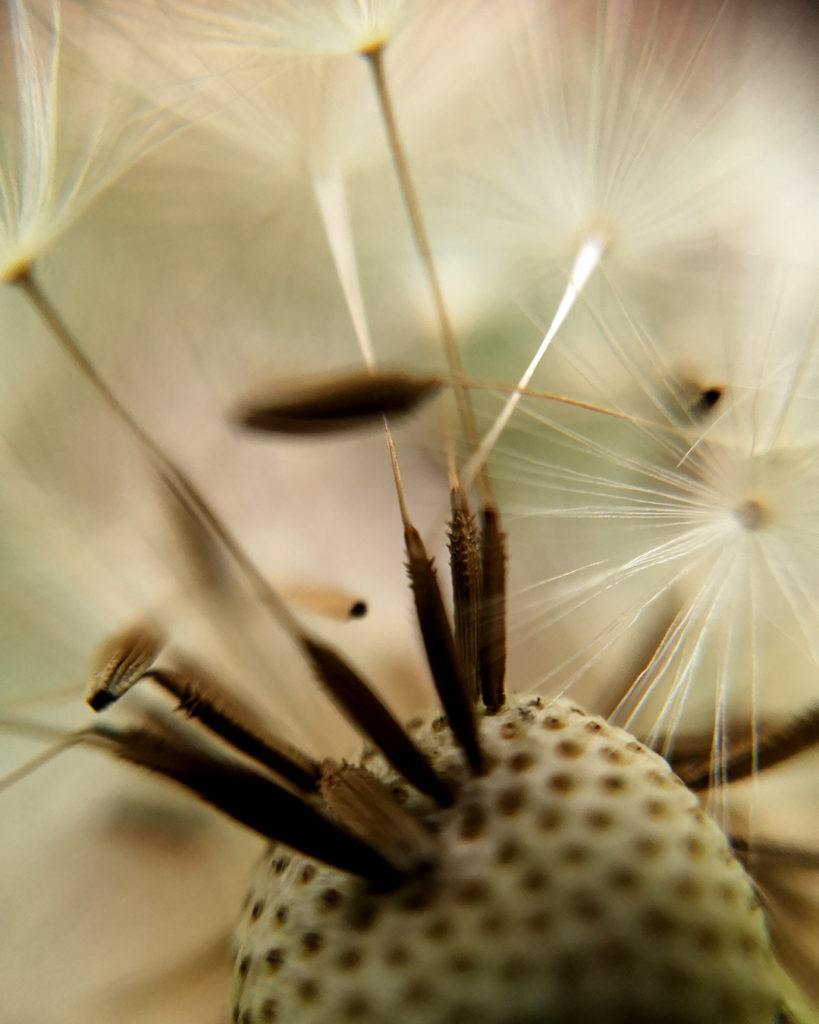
(522, 859)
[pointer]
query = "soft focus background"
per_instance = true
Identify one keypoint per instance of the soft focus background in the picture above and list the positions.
(181, 174)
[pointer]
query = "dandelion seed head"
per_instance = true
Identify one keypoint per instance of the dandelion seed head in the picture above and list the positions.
(635, 179)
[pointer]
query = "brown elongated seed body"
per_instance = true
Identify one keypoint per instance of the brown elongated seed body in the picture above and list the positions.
(370, 715)
(465, 568)
(360, 800)
(492, 618)
(203, 697)
(444, 663)
(328, 601)
(339, 402)
(770, 748)
(121, 661)
(247, 796)
(578, 880)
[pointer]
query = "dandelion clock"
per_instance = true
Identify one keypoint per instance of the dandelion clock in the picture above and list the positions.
(409, 572)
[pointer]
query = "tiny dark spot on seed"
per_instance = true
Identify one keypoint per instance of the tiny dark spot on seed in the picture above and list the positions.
(599, 820)
(635, 747)
(657, 809)
(708, 398)
(574, 854)
(257, 910)
(274, 958)
(400, 794)
(473, 821)
(562, 782)
(418, 896)
(694, 847)
(308, 990)
(623, 877)
(247, 1017)
(552, 723)
(473, 890)
(269, 1009)
(510, 801)
(414, 724)
(358, 610)
(658, 778)
(613, 783)
(508, 730)
(349, 959)
(418, 991)
(492, 922)
(748, 942)
(537, 922)
(549, 819)
(235, 1015)
(586, 906)
(279, 865)
(439, 725)
(308, 873)
(707, 938)
(440, 928)
(569, 749)
(533, 880)
(244, 966)
(656, 923)
(462, 963)
(575, 710)
(521, 763)
(330, 899)
(311, 942)
(281, 915)
(688, 888)
(396, 955)
(611, 754)
(536, 702)
(593, 726)
(647, 846)
(363, 915)
(508, 851)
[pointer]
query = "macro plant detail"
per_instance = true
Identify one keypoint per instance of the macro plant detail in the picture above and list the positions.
(568, 251)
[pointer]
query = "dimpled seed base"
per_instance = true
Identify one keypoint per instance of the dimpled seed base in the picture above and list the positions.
(578, 881)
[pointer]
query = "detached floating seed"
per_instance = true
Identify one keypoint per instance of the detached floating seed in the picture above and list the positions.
(337, 403)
